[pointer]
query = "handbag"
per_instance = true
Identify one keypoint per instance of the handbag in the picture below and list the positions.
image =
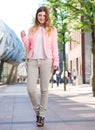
(22, 70)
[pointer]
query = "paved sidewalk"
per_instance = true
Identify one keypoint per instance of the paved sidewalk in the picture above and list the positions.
(73, 109)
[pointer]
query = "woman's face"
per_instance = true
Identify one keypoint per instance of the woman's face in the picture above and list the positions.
(41, 17)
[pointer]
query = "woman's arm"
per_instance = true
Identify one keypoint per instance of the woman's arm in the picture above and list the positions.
(25, 40)
(55, 50)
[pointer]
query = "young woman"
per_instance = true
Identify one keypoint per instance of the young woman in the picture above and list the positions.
(42, 51)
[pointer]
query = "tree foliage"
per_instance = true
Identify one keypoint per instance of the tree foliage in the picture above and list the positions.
(58, 16)
(80, 14)
(76, 10)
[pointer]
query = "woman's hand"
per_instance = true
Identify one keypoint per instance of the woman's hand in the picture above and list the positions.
(23, 34)
(56, 68)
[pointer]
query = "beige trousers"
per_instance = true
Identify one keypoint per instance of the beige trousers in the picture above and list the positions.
(39, 68)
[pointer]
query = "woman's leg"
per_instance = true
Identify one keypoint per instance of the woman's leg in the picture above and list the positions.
(32, 82)
(45, 74)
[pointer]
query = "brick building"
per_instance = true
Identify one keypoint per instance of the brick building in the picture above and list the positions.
(79, 56)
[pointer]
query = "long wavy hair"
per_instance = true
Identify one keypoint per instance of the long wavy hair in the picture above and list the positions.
(47, 25)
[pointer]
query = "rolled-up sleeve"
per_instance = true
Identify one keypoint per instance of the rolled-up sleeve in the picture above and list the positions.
(55, 48)
(26, 42)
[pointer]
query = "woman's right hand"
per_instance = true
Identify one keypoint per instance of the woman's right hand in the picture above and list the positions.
(23, 34)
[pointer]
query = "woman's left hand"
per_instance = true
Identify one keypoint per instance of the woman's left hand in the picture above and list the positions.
(56, 68)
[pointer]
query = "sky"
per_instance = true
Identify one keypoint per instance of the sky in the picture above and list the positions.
(17, 14)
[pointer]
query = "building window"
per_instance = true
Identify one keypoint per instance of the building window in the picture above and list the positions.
(70, 43)
(77, 64)
(71, 65)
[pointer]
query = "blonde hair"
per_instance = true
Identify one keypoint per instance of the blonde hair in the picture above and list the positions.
(47, 25)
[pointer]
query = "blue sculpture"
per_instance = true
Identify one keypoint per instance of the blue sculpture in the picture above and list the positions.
(11, 48)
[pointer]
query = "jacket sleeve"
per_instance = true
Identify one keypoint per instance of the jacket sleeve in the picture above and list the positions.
(26, 42)
(55, 48)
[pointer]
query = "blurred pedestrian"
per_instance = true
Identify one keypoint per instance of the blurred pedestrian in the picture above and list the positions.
(74, 76)
(69, 76)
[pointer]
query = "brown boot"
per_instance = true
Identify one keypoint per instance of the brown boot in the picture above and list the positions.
(37, 118)
(40, 122)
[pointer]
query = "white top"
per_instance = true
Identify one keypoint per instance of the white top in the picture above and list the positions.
(38, 46)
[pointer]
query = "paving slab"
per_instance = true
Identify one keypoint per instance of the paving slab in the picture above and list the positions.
(73, 109)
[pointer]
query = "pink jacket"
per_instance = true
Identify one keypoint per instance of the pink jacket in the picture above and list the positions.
(50, 45)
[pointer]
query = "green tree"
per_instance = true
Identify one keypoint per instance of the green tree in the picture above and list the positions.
(80, 15)
(58, 16)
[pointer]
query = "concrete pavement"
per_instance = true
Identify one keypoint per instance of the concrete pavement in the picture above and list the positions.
(73, 109)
